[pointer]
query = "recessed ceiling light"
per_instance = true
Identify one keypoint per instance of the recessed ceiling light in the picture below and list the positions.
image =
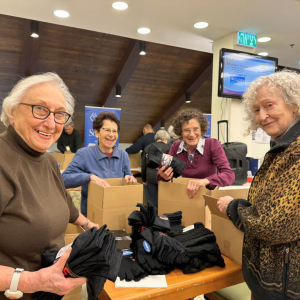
(263, 53)
(61, 13)
(34, 35)
(264, 39)
(120, 5)
(143, 30)
(201, 25)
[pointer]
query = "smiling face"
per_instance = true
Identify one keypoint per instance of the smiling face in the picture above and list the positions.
(39, 134)
(191, 133)
(107, 140)
(272, 114)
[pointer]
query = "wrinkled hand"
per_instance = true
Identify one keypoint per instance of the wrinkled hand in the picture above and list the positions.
(52, 280)
(223, 203)
(166, 173)
(194, 186)
(99, 181)
(129, 178)
(91, 225)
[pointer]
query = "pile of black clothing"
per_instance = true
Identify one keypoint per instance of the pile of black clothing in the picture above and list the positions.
(202, 248)
(94, 255)
(175, 220)
(157, 250)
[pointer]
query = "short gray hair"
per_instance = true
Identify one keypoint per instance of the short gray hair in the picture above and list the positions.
(288, 84)
(69, 123)
(25, 84)
(161, 135)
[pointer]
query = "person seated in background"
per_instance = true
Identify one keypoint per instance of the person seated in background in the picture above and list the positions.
(204, 157)
(143, 141)
(70, 139)
(98, 162)
(149, 174)
(35, 208)
(173, 137)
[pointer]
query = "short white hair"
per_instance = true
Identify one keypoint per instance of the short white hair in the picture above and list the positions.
(161, 135)
(286, 82)
(25, 84)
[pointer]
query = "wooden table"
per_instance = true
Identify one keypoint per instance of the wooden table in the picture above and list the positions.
(180, 286)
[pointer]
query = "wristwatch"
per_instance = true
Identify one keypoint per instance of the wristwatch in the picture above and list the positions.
(12, 292)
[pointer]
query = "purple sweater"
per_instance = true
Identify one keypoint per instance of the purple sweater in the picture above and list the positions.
(206, 165)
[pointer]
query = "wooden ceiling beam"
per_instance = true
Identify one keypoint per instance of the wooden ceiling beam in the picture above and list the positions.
(30, 51)
(123, 73)
(191, 86)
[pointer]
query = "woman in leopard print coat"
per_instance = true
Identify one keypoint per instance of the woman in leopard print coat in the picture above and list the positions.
(270, 218)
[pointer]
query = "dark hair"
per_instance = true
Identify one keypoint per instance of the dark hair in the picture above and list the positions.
(187, 114)
(105, 115)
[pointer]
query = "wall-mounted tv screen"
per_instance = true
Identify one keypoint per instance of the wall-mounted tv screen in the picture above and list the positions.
(238, 69)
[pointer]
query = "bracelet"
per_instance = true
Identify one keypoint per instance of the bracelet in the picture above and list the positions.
(85, 224)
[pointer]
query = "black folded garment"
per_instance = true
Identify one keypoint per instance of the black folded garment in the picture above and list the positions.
(131, 270)
(94, 256)
(157, 159)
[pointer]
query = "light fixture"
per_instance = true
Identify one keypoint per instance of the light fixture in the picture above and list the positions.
(144, 30)
(142, 48)
(34, 29)
(263, 53)
(188, 98)
(162, 124)
(264, 39)
(118, 91)
(201, 25)
(61, 13)
(120, 5)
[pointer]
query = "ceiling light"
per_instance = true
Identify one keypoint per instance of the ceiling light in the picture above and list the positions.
(142, 48)
(118, 91)
(188, 98)
(120, 5)
(34, 29)
(263, 53)
(264, 39)
(143, 30)
(201, 25)
(61, 13)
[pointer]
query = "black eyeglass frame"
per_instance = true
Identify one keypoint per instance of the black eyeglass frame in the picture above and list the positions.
(54, 113)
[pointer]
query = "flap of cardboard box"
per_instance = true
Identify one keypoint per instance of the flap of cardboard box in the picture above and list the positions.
(211, 202)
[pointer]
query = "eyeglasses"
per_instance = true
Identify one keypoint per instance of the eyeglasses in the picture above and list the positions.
(108, 131)
(189, 131)
(42, 112)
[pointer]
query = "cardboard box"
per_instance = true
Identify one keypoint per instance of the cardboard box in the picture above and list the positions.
(113, 205)
(229, 238)
(172, 196)
(135, 160)
(63, 159)
(74, 229)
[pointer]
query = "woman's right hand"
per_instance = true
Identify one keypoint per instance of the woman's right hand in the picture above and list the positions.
(52, 280)
(99, 181)
(165, 173)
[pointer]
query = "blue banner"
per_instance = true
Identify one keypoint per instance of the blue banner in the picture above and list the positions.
(91, 112)
(208, 132)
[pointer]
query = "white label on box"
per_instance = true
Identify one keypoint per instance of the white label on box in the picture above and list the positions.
(188, 228)
(61, 252)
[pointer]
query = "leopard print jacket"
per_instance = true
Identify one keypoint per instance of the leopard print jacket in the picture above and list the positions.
(271, 254)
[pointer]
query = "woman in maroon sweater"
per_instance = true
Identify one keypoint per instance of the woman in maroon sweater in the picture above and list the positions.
(204, 157)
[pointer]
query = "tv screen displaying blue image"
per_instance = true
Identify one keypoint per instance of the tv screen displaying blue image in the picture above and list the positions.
(238, 69)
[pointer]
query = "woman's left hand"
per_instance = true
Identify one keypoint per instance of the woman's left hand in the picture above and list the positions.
(91, 225)
(194, 186)
(223, 203)
(129, 178)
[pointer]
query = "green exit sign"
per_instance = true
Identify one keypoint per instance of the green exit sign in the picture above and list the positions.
(246, 39)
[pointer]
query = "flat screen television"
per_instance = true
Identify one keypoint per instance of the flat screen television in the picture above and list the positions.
(238, 69)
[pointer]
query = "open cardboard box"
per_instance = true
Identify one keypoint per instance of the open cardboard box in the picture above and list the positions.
(112, 205)
(63, 159)
(229, 238)
(172, 196)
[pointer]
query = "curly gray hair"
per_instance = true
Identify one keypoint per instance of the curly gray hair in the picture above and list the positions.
(161, 135)
(21, 88)
(286, 82)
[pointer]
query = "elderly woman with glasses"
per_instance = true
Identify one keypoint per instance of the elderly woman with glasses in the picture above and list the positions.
(204, 157)
(35, 208)
(96, 163)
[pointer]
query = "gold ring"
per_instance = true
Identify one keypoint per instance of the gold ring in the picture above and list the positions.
(194, 189)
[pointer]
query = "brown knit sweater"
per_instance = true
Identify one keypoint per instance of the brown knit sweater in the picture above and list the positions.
(35, 208)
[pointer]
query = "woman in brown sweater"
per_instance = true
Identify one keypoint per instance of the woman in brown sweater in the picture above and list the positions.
(34, 205)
